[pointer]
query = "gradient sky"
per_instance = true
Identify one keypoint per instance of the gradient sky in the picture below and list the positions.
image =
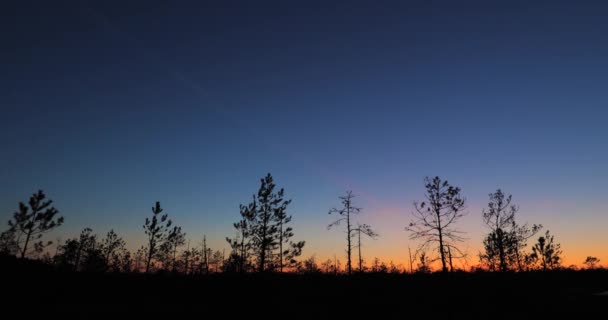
(109, 106)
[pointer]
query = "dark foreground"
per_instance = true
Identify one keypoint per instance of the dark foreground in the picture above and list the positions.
(462, 295)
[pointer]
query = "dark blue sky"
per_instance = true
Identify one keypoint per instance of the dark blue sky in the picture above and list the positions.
(111, 105)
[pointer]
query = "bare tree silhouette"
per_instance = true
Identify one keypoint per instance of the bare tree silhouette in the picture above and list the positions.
(435, 217)
(110, 245)
(367, 231)
(32, 221)
(345, 214)
(156, 229)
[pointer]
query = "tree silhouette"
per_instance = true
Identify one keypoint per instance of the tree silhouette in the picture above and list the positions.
(264, 231)
(435, 217)
(32, 221)
(309, 265)
(393, 268)
(205, 253)
(241, 244)
(218, 260)
(345, 214)
(265, 218)
(186, 256)
(327, 266)
(367, 231)
(423, 264)
(522, 234)
(285, 233)
(156, 229)
(110, 245)
(591, 262)
(175, 239)
(506, 238)
(546, 252)
(66, 254)
(86, 242)
(74, 253)
(8, 242)
(124, 262)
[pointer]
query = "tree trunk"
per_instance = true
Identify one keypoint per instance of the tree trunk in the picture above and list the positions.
(350, 271)
(27, 240)
(444, 267)
(149, 259)
(360, 259)
(174, 254)
(281, 246)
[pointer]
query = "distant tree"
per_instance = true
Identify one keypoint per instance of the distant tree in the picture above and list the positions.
(86, 243)
(217, 260)
(383, 268)
(156, 229)
(327, 266)
(8, 242)
(110, 247)
(34, 220)
(337, 267)
(74, 253)
(205, 256)
(393, 268)
(345, 213)
(435, 217)
(423, 264)
(125, 261)
(241, 244)
(140, 256)
(591, 262)
(367, 231)
(522, 234)
(187, 256)
(309, 265)
(93, 260)
(546, 252)
(376, 265)
(506, 239)
(175, 239)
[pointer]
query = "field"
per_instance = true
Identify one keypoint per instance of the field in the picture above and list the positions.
(459, 296)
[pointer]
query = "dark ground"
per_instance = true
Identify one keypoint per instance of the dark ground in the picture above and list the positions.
(42, 289)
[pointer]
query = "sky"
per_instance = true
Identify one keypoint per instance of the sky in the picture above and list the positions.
(109, 106)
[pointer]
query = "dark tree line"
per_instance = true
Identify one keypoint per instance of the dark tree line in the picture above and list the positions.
(264, 238)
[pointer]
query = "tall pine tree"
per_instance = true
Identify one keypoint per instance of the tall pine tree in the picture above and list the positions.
(32, 221)
(264, 223)
(156, 229)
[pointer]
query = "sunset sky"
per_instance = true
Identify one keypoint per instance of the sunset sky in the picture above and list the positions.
(109, 106)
